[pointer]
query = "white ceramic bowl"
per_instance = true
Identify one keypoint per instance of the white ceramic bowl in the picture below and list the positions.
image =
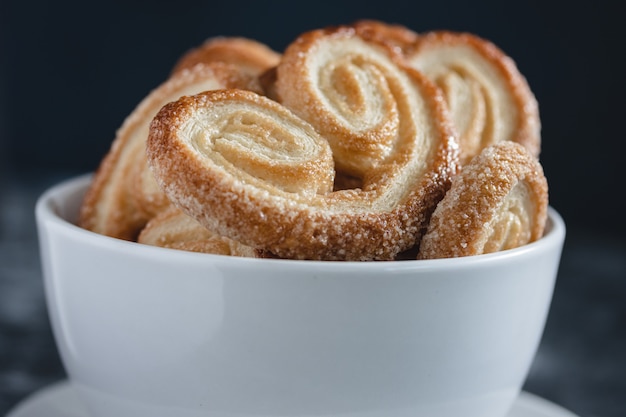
(146, 331)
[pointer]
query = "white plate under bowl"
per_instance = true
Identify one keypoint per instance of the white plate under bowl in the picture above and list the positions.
(60, 400)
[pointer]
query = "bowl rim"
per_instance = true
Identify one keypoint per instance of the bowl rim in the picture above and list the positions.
(47, 213)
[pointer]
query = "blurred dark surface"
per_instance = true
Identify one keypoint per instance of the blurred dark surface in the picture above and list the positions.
(70, 72)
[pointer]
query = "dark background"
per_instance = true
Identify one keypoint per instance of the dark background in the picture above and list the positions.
(71, 71)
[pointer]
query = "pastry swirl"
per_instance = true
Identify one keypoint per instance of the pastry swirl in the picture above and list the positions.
(354, 93)
(499, 201)
(249, 169)
(123, 195)
(489, 99)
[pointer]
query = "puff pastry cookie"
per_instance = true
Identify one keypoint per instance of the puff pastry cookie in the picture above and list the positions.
(499, 201)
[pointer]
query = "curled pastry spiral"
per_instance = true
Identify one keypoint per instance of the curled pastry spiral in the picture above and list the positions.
(249, 169)
(123, 194)
(489, 100)
(356, 95)
(499, 201)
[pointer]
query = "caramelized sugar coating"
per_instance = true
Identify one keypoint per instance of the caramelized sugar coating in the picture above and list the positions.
(499, 201)
(173, 229)
(123, 195)
(489, 99)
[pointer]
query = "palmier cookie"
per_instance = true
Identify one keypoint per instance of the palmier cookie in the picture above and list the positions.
(489, 99)
(250, 56)
(123, 195)
(499, 201)
(355, 93)
(173, 229)
(248, 168)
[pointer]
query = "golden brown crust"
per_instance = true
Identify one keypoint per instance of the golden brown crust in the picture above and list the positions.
(173, 229)
(384, 218)
(123, 196)
(489, 99)
(250, 56)
(498, 201)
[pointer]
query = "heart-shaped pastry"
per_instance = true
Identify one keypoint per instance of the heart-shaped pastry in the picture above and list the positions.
(261, 173)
